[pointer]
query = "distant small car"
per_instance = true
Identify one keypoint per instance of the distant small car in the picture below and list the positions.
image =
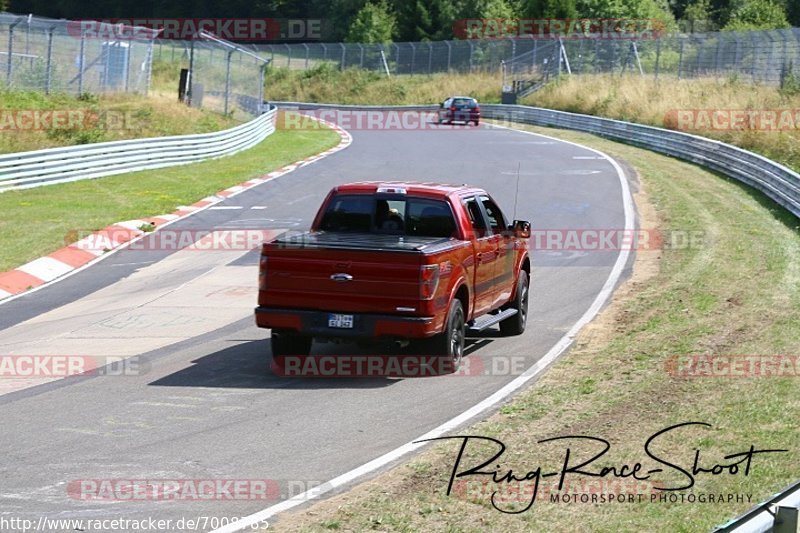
(459, 109)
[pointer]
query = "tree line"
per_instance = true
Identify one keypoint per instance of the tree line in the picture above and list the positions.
(423, 20)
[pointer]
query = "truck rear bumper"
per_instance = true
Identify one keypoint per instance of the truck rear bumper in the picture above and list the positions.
(365, 325)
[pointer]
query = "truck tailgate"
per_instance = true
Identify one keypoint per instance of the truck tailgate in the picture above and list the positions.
(345, 273)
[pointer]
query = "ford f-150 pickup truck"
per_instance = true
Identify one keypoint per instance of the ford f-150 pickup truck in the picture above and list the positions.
(396, 261)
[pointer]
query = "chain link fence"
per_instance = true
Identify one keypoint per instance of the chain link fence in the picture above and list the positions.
(47, 55)
(762, 56)
(225, 77)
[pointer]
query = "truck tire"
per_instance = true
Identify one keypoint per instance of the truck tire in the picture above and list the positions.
(283, 344)
(449, 345)
(515, 325)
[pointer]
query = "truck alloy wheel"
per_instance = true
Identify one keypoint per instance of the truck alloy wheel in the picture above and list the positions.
(449, 345)
(515, 325)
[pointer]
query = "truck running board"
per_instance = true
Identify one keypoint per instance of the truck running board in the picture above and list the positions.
(487, 321)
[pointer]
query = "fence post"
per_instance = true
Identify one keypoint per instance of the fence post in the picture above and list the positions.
(513, 49)
(228, 80)
(449, 54)
(262, 79)
(10, 51)
(81, 60)
(49, 75)
(770, 57)
(191, 72)
(413, 57)
(324, 51)
(430, 57)
(128, 65)
(680, 59)
(658, 56)
(341, 63)
(361, 54)
(307, 49)
(289, 58)
(755, 56)
(149, 76)
(471, 52)
(396, 58)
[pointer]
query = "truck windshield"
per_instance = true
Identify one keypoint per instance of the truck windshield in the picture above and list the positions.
(393, 215)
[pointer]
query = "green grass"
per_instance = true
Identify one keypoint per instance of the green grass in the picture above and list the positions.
(110, 117)
(35, 222)
(737, 293)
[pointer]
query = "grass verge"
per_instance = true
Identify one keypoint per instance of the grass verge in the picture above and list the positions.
(36, 221)
(737, 293)
(325, 83)
(92, 119)
(647, 101)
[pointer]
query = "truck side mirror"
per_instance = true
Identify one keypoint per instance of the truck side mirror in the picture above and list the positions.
(521, 229)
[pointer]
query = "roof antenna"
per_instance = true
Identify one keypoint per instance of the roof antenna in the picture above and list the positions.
(516, 194)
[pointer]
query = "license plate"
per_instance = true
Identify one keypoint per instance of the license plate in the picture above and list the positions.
(340, 321)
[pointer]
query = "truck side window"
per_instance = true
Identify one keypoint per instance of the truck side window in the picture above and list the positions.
(475, 215)
(496, 220)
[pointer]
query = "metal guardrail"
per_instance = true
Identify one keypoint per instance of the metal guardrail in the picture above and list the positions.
(777, 514)
(773, 179)
(25, 170)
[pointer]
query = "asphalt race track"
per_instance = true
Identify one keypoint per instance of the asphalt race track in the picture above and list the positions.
(204, 405)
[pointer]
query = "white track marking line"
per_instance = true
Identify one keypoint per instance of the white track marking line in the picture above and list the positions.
(499, 396)
(259, 207)
(224, 207)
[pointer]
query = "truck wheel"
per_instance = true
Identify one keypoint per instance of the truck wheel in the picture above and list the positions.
(449, 345)
(515, 325)
(283, 344)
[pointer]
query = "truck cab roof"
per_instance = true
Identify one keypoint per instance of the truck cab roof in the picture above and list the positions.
(430, 189)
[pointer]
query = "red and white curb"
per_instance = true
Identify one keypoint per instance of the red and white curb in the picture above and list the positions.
(100, 244)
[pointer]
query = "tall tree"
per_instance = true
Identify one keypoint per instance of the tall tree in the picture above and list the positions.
(373, 24)
(756, 15)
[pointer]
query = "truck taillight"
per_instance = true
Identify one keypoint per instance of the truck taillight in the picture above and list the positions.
(428, 281)
(262, 273)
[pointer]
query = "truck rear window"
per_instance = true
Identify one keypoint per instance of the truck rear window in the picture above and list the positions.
(394, 215)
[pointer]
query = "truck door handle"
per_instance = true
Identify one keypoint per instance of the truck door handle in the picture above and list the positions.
(341, 277)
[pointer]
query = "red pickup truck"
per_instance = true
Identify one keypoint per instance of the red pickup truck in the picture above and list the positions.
(396, 261)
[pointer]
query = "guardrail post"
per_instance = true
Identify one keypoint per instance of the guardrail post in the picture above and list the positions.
(49, 74)
(228, 79)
